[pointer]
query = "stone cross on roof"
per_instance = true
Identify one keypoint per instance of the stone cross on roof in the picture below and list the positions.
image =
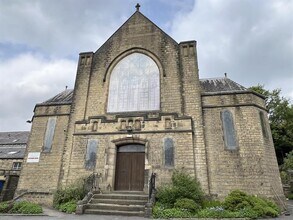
(137, 6)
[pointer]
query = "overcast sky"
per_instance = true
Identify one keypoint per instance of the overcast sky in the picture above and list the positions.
(251, 40)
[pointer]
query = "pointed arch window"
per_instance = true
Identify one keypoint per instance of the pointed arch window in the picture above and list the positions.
(229, 130)
(134, 85)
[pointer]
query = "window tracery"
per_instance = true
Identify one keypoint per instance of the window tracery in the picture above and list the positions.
(134, 85)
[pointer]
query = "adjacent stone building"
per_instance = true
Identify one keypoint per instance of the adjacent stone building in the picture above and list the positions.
(138, 107)
(12, 150)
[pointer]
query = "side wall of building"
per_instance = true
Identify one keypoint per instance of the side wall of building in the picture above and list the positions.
(40, 179)
(252, 166)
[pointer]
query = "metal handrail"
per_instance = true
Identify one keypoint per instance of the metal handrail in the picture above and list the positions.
(152, 187)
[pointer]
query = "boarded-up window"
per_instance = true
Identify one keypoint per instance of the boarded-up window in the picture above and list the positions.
(49, 134)
(169, 152)
(91, 154)
(263, 125)
(229, 130)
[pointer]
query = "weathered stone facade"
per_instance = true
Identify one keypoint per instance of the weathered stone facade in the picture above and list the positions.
(189, 115)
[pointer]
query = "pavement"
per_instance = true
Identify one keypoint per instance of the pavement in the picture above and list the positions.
(51, 214)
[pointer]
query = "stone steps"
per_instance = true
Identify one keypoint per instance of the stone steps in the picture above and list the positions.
(117, 203)
(113, 212)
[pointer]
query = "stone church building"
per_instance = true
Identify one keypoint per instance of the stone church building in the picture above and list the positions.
(139, 107)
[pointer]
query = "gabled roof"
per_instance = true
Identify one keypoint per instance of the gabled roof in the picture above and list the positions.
(222, 84)
(64, 97)
(136, 14)
(13, 144)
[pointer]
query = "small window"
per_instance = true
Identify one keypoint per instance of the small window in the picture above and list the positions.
(91, 154)
(49, 134)
(229, 130)
(169, 152)
(16, 166)
(263, 125)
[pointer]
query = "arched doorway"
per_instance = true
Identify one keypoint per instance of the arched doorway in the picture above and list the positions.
(130, 167)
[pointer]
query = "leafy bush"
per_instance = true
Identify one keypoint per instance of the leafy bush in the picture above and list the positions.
(187, 204)
(4, 207)
(160, 211)
(211, 203)
(239, 201)
(70, 194)
(217, 212)
(187, 187)
(68, 207)
(25, 207)
(183, 186)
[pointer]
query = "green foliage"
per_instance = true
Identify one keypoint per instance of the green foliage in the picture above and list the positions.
(288, 161)
(25, 207)
(239, 201)
(285, 177)
(211, 203)
(280, 118)
(65, 199)
(217, 212)
(160, 211)
(68, 207)
(4, 206)
(72, 193)
(187, 204)
(183, 186)
(187, 187)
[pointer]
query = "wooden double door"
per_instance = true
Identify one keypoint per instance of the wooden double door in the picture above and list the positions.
(130, 168)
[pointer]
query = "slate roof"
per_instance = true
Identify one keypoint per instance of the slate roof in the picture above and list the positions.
(13, 144)
(64, 97)
(223, 84)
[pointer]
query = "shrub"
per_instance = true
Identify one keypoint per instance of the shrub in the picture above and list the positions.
(25, 207)
(187, 204)
(4, 207)
(72, 193)
(167, 195)
(187, 187)
(217, 212)
(183, 186)
(159, 211)
(239, 201)
(68, 207)
(211, 203)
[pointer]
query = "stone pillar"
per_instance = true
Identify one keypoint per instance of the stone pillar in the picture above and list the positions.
(192, 107)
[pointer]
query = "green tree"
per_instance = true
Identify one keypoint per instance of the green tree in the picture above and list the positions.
(280, 113)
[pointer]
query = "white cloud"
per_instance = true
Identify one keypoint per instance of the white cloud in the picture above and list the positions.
(250, 40)
(29, 79)
(61, 27)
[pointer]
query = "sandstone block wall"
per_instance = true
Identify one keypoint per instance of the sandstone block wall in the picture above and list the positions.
(44, 175)
(252, 167)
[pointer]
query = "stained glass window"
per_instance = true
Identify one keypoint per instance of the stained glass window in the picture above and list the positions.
(49, 134)
(91, 154)
(169, 152)
(229, 130)
(134, 85)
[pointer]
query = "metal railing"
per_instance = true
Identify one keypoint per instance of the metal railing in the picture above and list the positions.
(152, 187)
(91, 183)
